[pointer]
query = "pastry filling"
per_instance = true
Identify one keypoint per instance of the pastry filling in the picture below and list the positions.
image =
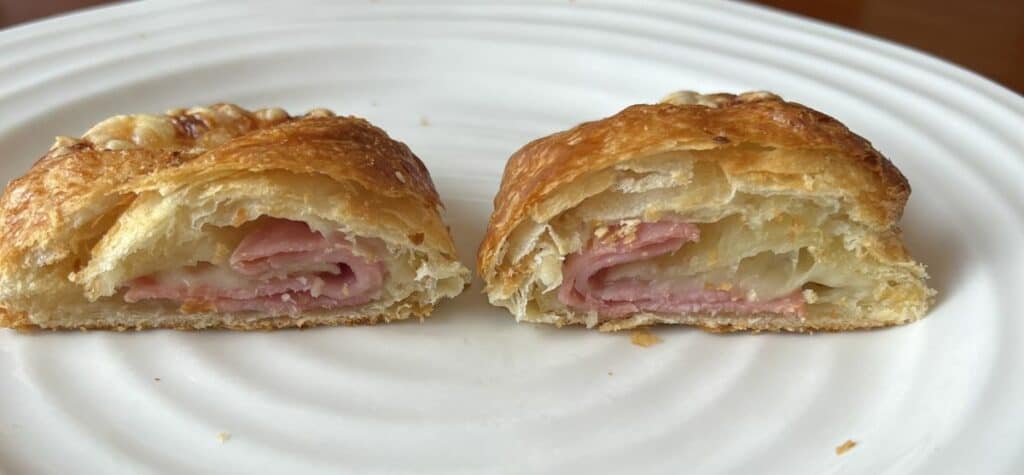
(281, 267)
(618, 273)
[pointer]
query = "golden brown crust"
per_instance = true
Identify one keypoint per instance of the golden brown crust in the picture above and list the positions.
(53, 218)
(62, 183)
(21, 322)
(343, 148)
(708, 122)
(729, 163)
(35, 209)
(193, 129)
(111, 154)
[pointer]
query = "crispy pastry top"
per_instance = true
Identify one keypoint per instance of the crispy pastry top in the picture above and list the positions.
(690, 121)
(67, 188)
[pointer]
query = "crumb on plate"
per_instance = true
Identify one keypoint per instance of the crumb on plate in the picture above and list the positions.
(845, 447)
(223, 437)
(644, 338)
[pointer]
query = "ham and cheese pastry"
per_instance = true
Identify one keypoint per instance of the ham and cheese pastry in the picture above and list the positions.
(221, 217)
(722, 211)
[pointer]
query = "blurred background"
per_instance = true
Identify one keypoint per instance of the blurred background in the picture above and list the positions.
(986, 36)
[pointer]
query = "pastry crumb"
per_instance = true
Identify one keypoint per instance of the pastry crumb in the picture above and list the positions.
(240, 217)
(845, 447)
(156, 379)
(610, 373)
(644, 338)
(221, 254)
(195, 306)
(223, 437)
(424, 122)
(724, 286)
(810, 296)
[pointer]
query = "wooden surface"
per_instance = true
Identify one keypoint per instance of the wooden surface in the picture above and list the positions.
(986, 36)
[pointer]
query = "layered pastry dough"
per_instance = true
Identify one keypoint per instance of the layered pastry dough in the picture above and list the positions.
(221, 217)
(727, 212)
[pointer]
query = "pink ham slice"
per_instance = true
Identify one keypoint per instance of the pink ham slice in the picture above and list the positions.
(585, 288)
(282, 267)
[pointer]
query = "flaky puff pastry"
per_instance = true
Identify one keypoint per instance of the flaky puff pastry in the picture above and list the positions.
(155, 204)
(728, 212)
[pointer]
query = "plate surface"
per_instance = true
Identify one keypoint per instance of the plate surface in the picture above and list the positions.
(470, 391)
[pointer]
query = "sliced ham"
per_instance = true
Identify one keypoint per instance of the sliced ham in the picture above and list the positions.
(282, 267)
(586, 288)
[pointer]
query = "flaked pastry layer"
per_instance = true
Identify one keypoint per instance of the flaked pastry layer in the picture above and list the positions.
(221, 217)
(727, 212)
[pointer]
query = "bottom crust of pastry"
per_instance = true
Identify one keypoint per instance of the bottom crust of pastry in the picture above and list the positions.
(733, 323)
(20, 321)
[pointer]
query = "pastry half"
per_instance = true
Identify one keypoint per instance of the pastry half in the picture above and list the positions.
(722, 211)
(221, 217)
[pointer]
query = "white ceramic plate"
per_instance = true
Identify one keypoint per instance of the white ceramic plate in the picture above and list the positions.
(470, 391)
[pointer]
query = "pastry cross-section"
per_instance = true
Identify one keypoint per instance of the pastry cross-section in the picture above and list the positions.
(729, 212)
(223, 217)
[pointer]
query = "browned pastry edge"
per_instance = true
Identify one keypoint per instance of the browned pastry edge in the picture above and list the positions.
(56, 212)
(717, 121)
(20, 321)
(343, 148)
(758, 323)
(73, 173)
